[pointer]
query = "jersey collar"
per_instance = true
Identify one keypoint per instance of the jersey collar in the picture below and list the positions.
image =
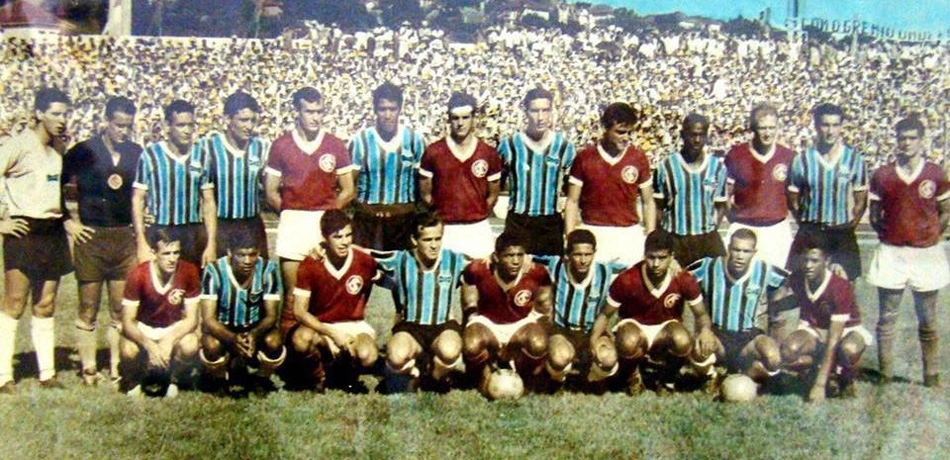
(656, 291)
(813, 296)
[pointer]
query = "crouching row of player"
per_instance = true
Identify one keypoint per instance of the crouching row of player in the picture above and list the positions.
(536, 317)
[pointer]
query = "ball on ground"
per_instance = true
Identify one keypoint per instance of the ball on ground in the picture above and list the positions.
(739, 388)
(505, 384)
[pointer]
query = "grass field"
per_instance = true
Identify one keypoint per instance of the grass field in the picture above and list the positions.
(903, 420)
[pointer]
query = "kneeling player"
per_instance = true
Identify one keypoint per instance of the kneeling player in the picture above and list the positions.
(650, 298)
(159, 317)
(830, 334)
(507, 303)
(425, 336)
(240, 294)
(327, 326)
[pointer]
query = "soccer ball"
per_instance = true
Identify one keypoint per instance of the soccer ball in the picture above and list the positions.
(504, 384)
(738, 388)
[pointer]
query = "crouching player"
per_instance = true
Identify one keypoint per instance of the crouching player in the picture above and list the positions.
(327, 326)
(426, 339)
(830, 337)
(737, 288)
(650, 298)
(580, 293)
(159, 317)
(507, 305)
(240, 295)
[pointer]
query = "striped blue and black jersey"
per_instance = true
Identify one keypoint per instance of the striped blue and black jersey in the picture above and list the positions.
(577, 303)
(236, 175)
(535, 176)
(735, 304)
(387, 169)
(423, 296)
(241, 307)
(174, 185)
(690, 193)
(824, 188)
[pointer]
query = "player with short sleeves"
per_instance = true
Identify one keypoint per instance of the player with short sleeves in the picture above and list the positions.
(649, 299)
(536, 162)
(386, 158)
(909, 210)
(173, 187)
(604, 184)
(326, 325)
(159, 317)
(35, 249)
(459, 177)
(100, 171)
(830, 339)
(824, 179)
(690, 189)
(756, 178)
(506, 301)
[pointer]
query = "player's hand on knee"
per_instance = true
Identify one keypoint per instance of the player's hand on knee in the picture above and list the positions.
(706, 342)
(156, 356)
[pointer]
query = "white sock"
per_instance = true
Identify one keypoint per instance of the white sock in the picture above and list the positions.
(44, 340)
(112, 337)
(7, 338)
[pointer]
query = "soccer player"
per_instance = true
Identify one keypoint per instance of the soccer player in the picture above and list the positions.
(822, 181)
(909, 211)
(690, 189)
(304, 168)
(536, 162)
(459, 176)
(101, 170)
(426, 339)
(35, 250)
(737, 288)
(159, 317)
(580, 294)
(240, 296)
(605, 182)
(172, 181)
(236, 160)
(830, 337)
(385, 158)
(507, 305)
(756, 178)
(328, 325)
(649, 299)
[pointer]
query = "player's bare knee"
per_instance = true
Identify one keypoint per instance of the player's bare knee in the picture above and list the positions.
(187, 347)
(366, 350)
(212, 348)
(302, 340)
(448, 346)
(631, 343)
(475, 340)
(560, 352)
(605, 356)
(87, 312)
(45, 307)
(533, 340)
(272, 342)
(793, 347)
(398, 353)
(128, 350)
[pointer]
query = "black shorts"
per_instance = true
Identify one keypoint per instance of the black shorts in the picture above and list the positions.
(385, 233)
(842, 244)
(254, 226)
(108, 256)
(425, 335)
(733, 343)
(542, 235)
(580, 340)
(690, 248)
(193, 238)
(42, 254)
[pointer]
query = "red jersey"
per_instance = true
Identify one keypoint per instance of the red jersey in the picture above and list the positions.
(909, 203)
(460, 179)
(758, 184)
(308, 170)
(505, 304)
(612, 185)
(161, 305)
(337, 294)
(638, 299)
(832, 300)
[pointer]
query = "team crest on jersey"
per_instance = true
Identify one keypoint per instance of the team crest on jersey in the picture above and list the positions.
(522, 297)
(354, 284)
(327, 163)
(114, 182)
(780, 172)
(194, 167)
(630, 174)
(709, 183)
(752, 291)
(927, 189)
(671, 300)
(480, 168)
(176, 296)
(445, 279)
(844, 173)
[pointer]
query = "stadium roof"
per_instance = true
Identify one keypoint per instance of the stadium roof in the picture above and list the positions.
(21, 13)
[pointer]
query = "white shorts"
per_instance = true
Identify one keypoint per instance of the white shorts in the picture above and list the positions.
(298, 232)
(353, 328)
(920, 269)
(618, 244)
(503, 332)
(650, 331)
(773, 243)
(475, 240)
(154, 333)
(822, 334)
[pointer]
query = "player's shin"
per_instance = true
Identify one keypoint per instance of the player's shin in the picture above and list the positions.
(112, 337)
(44, 340)
(8, 328)
(269, 365)
(86, 347)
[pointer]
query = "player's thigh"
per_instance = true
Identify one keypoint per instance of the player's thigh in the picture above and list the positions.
(799, 343)
(448, 344)
(561, 351)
